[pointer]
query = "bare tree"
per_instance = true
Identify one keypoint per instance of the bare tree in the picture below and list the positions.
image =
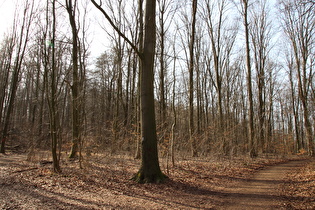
(294, 102)
(6, 62)
(140, 47)
(75, 87)
(221, 45)
(150, 170)
(165, 15)
(22, 41)
(299, 25)
(51, 84)
(260, 35)
(251, 131)
(191, 81)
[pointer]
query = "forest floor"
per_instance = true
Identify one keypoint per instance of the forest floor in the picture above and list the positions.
(194, 183)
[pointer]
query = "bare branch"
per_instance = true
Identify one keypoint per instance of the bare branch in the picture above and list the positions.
(133, 46)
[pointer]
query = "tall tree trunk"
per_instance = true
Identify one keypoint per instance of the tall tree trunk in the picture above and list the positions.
(298, 144)
(216, 46)
(162, 8)
(191, 81)
(75, 89)
(138, 111)
(6, 62)
(304, 100)
(172, 144)
(52, 97)
(251, 132)
(260, 36)
(150, 170)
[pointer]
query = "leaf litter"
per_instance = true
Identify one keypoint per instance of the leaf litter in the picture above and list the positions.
(104, 183)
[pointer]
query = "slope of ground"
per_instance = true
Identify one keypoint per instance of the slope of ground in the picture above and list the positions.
(104, 183)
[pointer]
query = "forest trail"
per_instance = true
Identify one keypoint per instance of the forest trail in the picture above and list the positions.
(262, 190)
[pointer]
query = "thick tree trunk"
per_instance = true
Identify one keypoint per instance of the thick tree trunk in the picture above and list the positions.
(150, 170)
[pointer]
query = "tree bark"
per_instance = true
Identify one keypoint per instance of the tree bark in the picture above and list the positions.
(162, 32)
(76, 111)
(140, 46)
(251, 132)
(52, 97)
(150, 170)
(191, 82)
(6, 62)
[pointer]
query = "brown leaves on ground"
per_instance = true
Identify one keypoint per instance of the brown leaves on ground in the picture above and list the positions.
(105, 183)
(301, 187)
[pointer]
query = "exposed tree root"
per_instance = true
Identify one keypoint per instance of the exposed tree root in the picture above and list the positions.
(141, 177)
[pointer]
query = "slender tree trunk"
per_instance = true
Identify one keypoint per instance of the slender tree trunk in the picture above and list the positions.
(270, 116)
(260, 36)
(75, 87)
(52, 99)
(191, 82)
(216, 46)
(172, 147)
(297, 145)
(138, 111)
(251, 132)
(162, 63)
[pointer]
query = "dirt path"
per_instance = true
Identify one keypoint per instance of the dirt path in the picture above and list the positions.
(261, 191)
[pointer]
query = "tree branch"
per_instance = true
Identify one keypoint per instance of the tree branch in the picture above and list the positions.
(117, 29)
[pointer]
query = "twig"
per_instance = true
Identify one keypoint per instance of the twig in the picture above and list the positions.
(29, 169)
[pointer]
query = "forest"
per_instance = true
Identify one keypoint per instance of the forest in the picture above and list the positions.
(166, 81)
(219, 87)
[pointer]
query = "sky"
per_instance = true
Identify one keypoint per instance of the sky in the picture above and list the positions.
(96, 34)
(7, 8)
